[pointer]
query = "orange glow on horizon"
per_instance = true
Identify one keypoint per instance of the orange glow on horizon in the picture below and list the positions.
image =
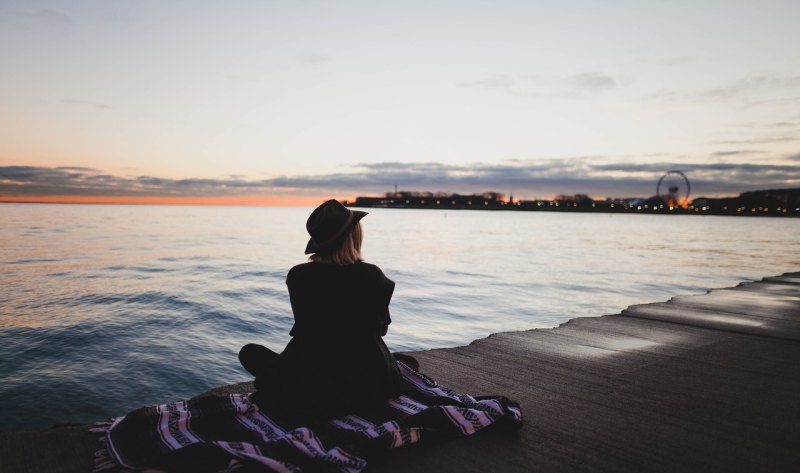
(304, 201)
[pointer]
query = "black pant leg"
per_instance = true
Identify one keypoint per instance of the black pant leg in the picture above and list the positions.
(259, 360)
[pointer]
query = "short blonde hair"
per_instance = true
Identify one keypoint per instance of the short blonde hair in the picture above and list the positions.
(348, 251)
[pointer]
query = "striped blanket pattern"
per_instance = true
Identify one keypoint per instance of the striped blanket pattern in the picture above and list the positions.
(230, 433)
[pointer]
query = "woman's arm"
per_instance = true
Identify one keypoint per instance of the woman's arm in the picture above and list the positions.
(386, 289)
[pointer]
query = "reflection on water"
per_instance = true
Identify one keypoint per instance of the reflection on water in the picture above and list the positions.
(106, 308)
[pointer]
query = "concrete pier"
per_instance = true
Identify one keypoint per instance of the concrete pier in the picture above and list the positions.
(700, 383)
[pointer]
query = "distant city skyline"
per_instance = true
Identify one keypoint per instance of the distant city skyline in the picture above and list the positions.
(289, 103)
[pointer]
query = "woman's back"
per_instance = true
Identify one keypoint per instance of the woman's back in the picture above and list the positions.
(342, 300)
(337, 360)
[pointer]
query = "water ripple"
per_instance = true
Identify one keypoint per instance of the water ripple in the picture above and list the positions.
(107, 308)
(34, 261)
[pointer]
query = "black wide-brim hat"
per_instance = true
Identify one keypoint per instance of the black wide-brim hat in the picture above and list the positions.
(328, 224)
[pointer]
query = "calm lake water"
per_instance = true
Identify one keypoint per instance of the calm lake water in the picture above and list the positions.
(107, 308)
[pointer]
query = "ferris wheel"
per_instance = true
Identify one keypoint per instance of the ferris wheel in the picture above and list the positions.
(673, 189)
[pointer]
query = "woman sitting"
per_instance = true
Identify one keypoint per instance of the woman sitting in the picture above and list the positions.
(336, 360)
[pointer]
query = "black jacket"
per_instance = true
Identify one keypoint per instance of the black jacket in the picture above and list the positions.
(337, 361)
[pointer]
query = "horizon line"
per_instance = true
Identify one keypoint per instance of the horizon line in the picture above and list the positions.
(224, 201)
(231, 201)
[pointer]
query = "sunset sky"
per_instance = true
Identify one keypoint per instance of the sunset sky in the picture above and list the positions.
(287, 102)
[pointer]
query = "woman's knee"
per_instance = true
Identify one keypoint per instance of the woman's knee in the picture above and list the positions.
(257, 359)
(250, 350)
(252, 355)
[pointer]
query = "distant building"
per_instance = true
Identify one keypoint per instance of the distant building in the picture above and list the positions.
(774, 202)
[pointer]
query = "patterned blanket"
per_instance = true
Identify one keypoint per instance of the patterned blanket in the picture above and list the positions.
(231, 433)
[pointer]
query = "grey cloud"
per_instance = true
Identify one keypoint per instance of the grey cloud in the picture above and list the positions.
(429, 167)
(784, 101)
(86, 103)
(30, 180)
(741, 168)
(77, 168)
(779, 124)
(551, 177)
(755, 141)
(51, 17)
(500, 81)
(576, 86)
(566, 176)
(539, 177)
(745, 90)
(592, 83)
(734, 89)
(738, 152)
(737, 87)
(793, 82)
